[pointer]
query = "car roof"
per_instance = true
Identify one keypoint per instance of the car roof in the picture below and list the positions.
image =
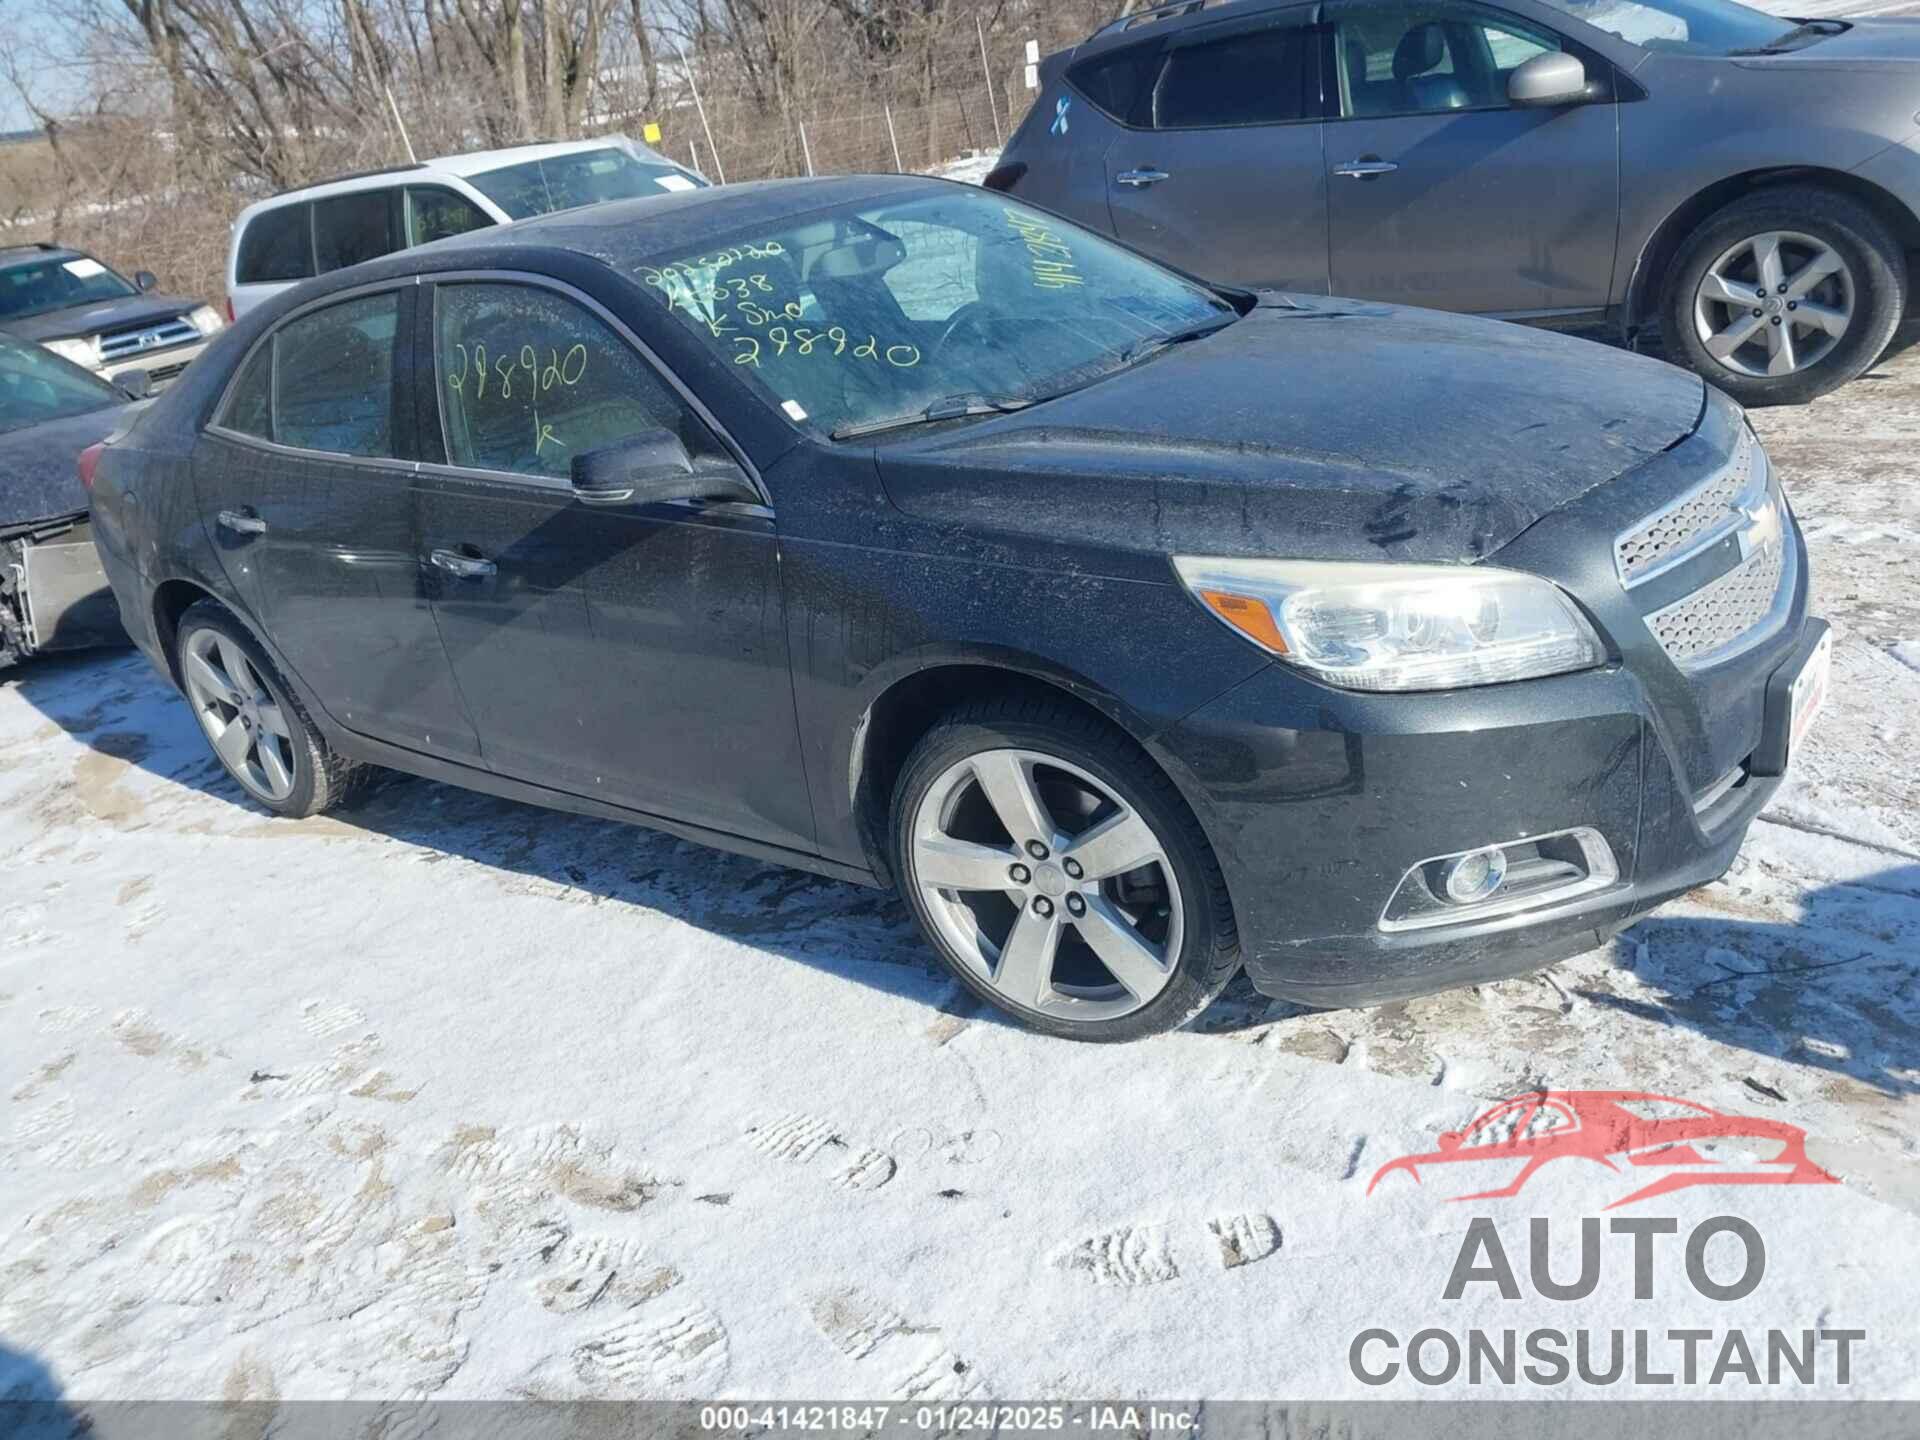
(38, 250)
(625, 233)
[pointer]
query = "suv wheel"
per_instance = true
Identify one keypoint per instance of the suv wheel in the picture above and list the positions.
(1785, 294)
(1059, 872)
(258, 731)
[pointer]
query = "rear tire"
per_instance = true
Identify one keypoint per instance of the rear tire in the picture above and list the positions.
(1725, 315)
(1134, 936)
(252, 720)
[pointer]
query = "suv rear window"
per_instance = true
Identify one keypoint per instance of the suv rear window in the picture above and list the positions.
(1241, 79)
(1119, 83)
(354, 227)
(276, 245)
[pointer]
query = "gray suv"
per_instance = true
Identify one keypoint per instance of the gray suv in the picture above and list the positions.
(1745, 184)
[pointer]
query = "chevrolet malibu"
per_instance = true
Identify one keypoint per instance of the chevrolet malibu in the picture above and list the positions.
(1138, 630)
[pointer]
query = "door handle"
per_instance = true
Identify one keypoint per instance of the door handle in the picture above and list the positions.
(467, 567)
(241, 522)
(1366, 167)
(1140, 179)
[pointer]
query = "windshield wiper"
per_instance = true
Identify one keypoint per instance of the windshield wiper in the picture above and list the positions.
(1807, 31)
(948, 407)
(1141, 349)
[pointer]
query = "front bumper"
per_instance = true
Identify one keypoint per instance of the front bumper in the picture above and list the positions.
(1319, 801)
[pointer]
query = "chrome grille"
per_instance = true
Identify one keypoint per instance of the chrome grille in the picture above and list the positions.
(1693, 631)
(147, 339)
(1694, 521)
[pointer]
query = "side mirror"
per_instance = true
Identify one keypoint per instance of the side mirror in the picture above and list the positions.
(1555, 78)
(137, 383)
(144, 280)
(651, 467)
(1449, 1141)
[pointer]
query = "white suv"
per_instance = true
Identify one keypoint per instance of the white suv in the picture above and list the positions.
(282, 240)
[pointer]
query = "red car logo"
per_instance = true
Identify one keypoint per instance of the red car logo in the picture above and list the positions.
(1644, 1131)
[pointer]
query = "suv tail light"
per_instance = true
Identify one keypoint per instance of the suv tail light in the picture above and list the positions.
(89, 463)
(231, 317)
(1004, 177)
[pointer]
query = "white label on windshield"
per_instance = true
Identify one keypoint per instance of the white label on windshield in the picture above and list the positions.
(84, 268)
(674, 182)
(792, 407)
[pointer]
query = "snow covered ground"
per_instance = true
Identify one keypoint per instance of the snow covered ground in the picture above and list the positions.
(447, 1096)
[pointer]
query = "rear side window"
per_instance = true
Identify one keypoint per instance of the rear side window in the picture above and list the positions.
(350, 228)
(323, 381)
(1120, 82)
(277, 245)
(1244, 79)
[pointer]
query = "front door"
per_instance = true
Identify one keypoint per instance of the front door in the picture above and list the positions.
(1224, 174)
(1440, 193)
(306, 482)
(635, 654)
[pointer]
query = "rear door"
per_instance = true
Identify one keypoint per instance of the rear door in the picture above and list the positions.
(1222, 171)
(306, 483)
(1442, 194)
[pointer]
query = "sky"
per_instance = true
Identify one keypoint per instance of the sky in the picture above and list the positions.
(31, 20)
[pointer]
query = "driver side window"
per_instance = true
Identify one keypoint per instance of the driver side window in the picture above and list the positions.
(1425, 59)
(528, 379)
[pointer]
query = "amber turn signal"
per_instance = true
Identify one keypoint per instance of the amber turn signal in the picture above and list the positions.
(1247, 615)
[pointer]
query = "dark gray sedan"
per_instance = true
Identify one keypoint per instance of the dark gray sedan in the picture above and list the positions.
(1746, 184)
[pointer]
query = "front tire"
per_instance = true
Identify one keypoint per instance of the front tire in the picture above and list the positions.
(1785, 294)
(1059, 873)
(252, 721)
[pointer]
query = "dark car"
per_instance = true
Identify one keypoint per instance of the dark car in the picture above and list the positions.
(880, 526)
(94, 316)
(53, 594)
(1747, 185)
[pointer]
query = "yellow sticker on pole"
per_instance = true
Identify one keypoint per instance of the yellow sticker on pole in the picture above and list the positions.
(651, 133)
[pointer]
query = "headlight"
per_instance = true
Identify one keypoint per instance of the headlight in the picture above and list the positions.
(1397, 627)
(80, 351)
(206, 320)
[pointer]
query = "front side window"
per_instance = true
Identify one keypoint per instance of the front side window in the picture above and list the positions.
(40, 286)
(331, 386)
(528, 379)
(37, 386)
(1425, 59)
(434, 213)
(1257, 78)
(855, 314)
(277, 246)
(348, 229)
(584, 177)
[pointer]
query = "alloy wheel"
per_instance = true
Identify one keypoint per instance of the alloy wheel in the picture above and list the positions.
(243, 722)
(1047, 885)
(1775, 303)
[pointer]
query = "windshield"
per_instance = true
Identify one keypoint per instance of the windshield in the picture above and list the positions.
(56, 283)
(37, 386)
(1688, 27)
(855, 315)
(585, 177)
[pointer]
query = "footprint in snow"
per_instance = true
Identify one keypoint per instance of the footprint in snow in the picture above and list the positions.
(1145, 1254)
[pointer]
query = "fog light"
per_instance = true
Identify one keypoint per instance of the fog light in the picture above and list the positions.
(1475, 876)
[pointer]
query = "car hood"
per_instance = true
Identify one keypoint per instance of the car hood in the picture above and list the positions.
(1312, 429)
(39, 475)
(1865, 44)
(99, 316)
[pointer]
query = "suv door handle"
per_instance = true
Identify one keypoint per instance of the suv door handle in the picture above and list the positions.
(1366, 167)
(1139, 179)
(241, 522)
(467, 567)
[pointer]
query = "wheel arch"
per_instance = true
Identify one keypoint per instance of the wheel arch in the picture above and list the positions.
(907, 702)
(1645, 287)
(171, 599)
